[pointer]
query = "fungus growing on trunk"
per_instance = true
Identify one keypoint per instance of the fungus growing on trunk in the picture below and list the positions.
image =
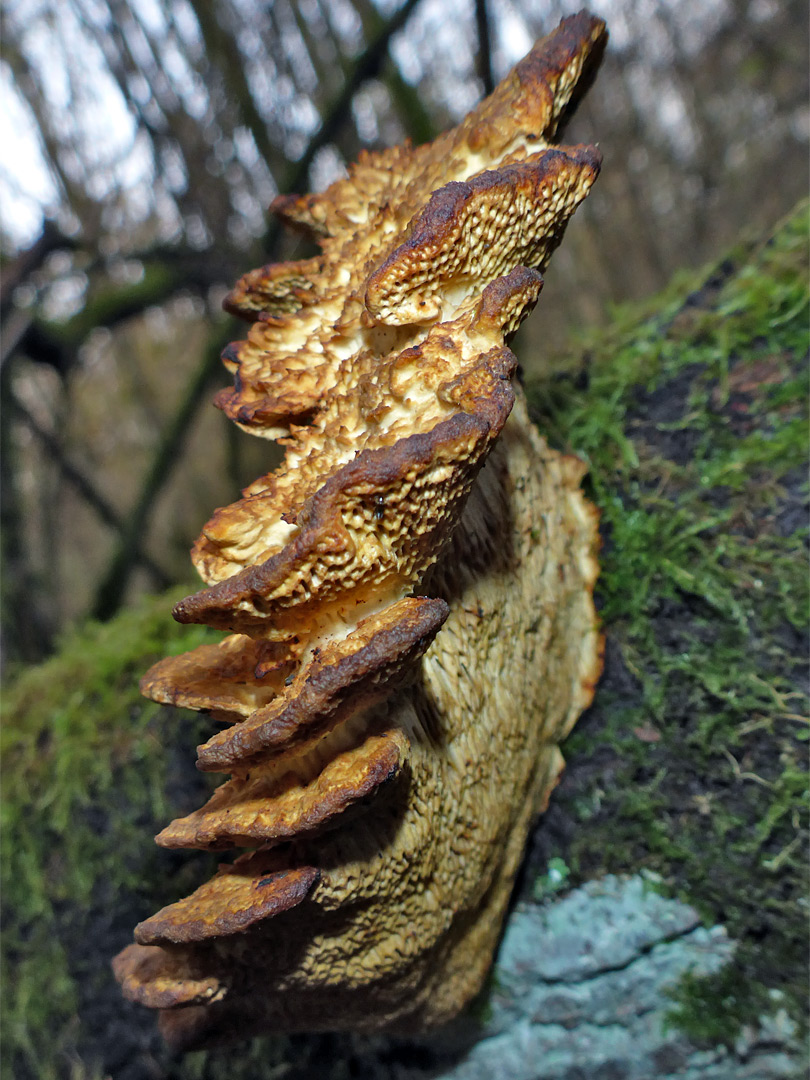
(408, 596)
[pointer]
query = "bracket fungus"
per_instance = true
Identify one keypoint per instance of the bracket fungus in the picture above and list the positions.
(407, 597)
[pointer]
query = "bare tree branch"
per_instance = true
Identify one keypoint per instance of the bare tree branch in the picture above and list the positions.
(112, 590)
(27, 622)
(414, 117)
(223, 52)
(367, 66)
(22, 266)
(74, 475)
(484, 59)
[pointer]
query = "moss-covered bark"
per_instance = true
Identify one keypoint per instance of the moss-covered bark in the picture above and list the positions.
(691, 764)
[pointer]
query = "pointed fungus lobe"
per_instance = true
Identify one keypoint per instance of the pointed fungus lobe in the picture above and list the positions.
(238, 897)
(407, 597)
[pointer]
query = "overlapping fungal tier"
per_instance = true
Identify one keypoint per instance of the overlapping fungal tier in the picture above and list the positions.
(410, 634)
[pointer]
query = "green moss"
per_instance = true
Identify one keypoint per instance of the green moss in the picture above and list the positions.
(707, 1007)
(553, 881)
(90, 771)
(693, 422)
(82, 776)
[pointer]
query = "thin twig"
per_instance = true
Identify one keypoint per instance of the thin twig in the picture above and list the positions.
(740, 775)
(114, 584)
(20, 268)
(84, 487)
(484, 58)
(365, 67)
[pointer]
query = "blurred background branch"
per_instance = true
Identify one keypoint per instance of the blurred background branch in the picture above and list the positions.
(143, 143)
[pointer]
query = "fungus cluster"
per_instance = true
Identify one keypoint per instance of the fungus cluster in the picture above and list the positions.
(407, 601)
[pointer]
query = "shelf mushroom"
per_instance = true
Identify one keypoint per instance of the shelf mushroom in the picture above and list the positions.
(407, 597)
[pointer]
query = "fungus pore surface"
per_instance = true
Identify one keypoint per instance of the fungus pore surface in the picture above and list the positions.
(407, 598)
